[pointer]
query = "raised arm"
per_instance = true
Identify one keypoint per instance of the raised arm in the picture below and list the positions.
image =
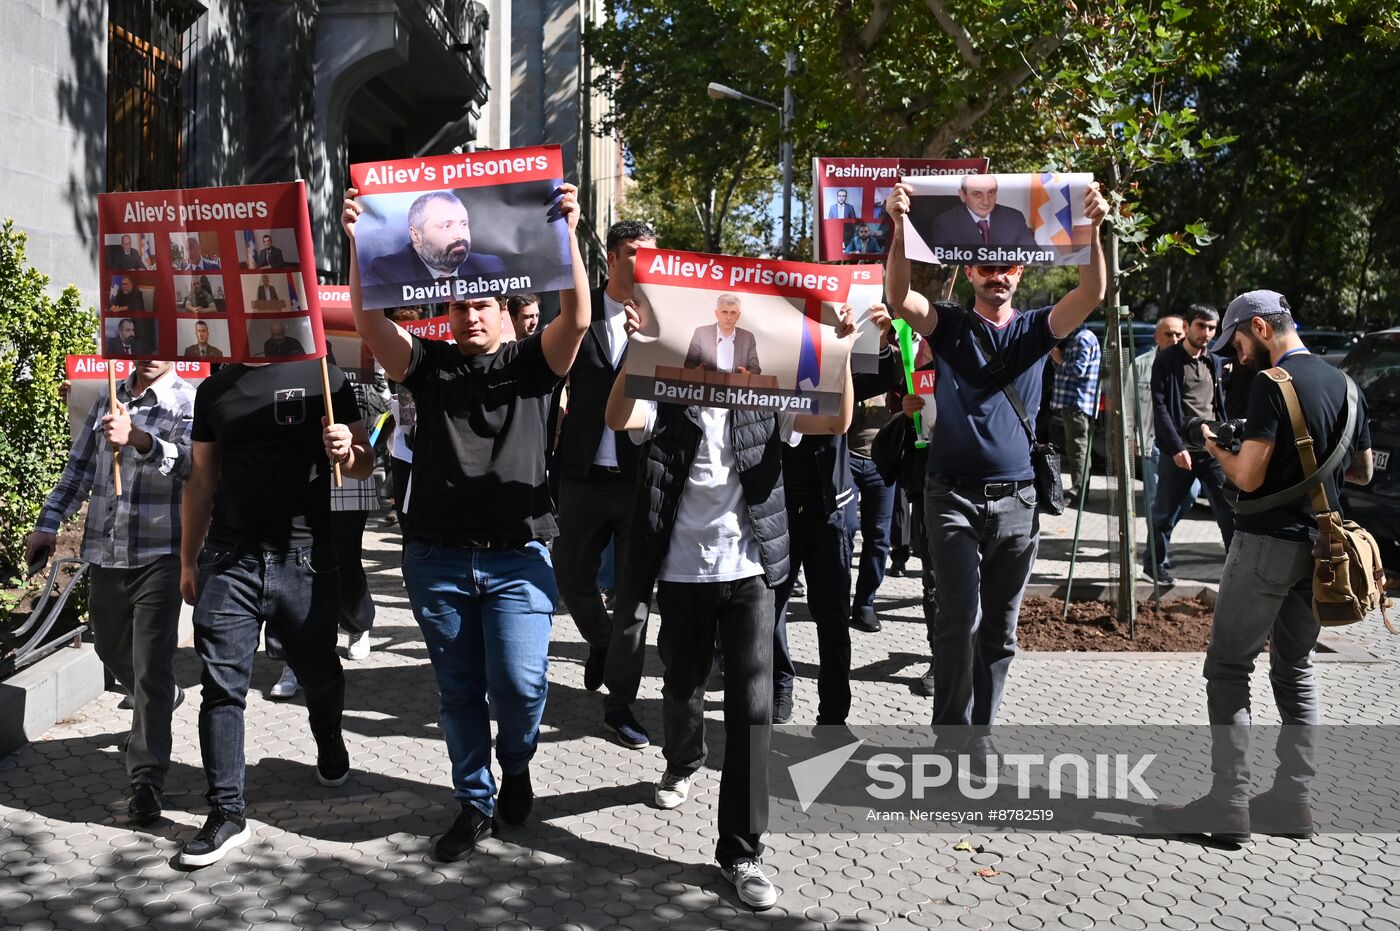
(1074, 308)
(909, 306)
(391, 345)
(624, 413)
(561, 339)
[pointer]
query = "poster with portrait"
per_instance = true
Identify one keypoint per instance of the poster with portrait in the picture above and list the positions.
(87, 381)
(754, 334)
(176, 283)
(999, 219)
(850, 201)
(452, 227)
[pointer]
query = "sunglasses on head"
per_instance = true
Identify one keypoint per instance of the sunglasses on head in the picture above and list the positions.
(986, 271)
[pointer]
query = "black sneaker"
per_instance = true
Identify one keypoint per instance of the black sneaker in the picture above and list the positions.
(924, 684)
(864, 619)
(223, 830)
(625, 727)
(1204, 816)
(516, 798)
(593, 668)
(1269, 814)
(896, 572)
(982, 762)
(470, 828)
(782, 708)
(145, 804)
(332, 760)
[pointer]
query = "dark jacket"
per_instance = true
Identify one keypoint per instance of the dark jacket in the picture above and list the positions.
(664, 470)
(1006, 226)
(405, 266)
(589, 382)
(703, 350)
(833, 453)
(1168, 409)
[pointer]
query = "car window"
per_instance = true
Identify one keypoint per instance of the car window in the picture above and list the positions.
(1375, 366)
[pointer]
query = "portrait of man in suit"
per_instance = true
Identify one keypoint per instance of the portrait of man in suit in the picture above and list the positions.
(266, 292)
(979, 220)
(125, 257)
(269, 256)
(195, 260)
(278, 343)
(439, 245)
(722, 346)
(125, 343)
(128, 297)
(841, 210)
(201, 348)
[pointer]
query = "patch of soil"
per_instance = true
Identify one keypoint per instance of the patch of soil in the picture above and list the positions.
(1180, 625)
(69, 545)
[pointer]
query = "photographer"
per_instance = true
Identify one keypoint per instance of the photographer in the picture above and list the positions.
(1187, 382)
(1266, 587)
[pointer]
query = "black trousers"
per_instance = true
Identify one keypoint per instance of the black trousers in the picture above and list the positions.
(593, 512)
(742, 612)
(348, 537)
(820, 543)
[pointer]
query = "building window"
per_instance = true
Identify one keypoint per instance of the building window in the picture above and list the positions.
(150, 93)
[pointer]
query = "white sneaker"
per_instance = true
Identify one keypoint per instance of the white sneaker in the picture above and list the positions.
(672, 790)
(751, 883)
(286, 687)
(359, 646)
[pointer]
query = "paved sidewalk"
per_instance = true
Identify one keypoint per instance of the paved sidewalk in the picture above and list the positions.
(595, 854)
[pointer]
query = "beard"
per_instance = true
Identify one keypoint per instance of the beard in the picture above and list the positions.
(1256, 354)
(448, 257)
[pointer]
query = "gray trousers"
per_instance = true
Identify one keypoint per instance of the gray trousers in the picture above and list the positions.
(1076, 427)
(982, 551)
(135, 627)
(593, 511)
(1265, 596)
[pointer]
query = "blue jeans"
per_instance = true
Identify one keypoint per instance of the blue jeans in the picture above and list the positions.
(485, 617)
(297, 594)
(876, 503)
(1173, 500)
(982, 551)
(1265, 596)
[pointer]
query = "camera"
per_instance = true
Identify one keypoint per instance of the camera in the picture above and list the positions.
(1228, 433)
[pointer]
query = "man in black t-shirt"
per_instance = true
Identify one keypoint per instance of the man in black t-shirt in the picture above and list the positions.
(1266, 587)
(476, 517)
(256, 548)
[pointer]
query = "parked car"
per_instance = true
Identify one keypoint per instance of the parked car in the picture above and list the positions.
(1331, 345)
(1374, 364)
(1142, 334)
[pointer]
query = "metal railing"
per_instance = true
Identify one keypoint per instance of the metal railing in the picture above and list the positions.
(48, 610)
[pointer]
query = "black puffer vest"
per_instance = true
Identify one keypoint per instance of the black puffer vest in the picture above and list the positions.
(664, 469)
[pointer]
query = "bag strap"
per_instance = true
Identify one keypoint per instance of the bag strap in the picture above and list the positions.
(1315, 476)
(997, 368)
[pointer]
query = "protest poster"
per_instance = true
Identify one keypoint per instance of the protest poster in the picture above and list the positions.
(850, 201)
(209, 273)
(998, 219)
(87, 375)
(754, 334)
(453, 227)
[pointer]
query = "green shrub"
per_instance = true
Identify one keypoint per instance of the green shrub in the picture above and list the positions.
(36, 333)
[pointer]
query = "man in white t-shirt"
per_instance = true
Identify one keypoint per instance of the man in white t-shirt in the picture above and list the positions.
(710, 526)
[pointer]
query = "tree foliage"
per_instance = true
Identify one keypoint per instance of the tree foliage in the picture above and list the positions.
(36, 334)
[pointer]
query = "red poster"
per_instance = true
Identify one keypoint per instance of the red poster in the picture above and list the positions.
(850, 200)
(224, 274)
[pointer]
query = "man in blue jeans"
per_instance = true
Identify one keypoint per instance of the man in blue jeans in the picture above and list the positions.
(980, 498)
(257, 549)
(1266, 587)
(476, 517)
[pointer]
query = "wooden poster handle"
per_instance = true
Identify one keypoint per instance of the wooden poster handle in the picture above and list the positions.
(330, 409)
(112, 409)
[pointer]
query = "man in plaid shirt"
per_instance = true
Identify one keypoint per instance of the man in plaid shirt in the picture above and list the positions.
(1074, 395)
(132, 544)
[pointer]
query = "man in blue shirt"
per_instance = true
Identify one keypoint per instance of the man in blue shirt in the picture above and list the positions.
(979, 496)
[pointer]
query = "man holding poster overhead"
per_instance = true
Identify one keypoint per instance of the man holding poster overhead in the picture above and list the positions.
(980, 493)
(476, 517)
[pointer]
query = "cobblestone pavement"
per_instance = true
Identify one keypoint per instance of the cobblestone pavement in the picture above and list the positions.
(595, 854)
